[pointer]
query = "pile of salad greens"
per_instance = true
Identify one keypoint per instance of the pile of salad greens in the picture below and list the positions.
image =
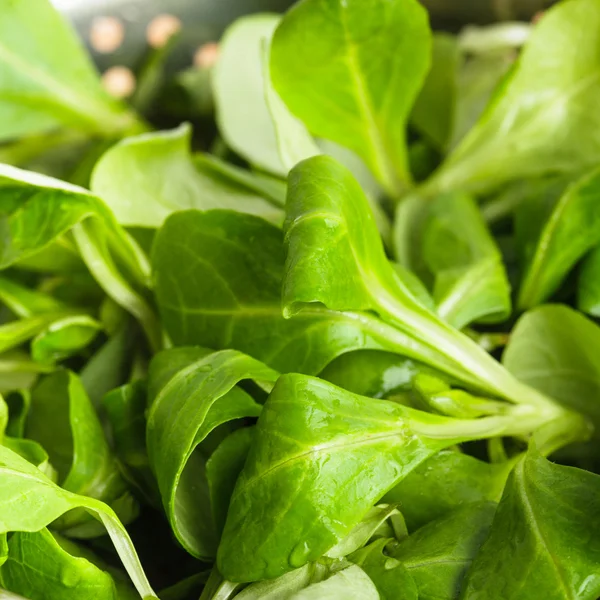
(316, 322)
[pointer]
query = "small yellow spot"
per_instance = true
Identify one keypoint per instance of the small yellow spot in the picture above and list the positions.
(161, 29)
(206, 56)
(119, 82)
(106, 34)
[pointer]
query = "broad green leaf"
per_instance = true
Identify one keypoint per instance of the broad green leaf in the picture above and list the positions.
(351, 583)
(553, 232)
(446, 482)
(63, 338)
(196, 400)
(556, 350)
(434, 111)
(446, 241)
(36, 210)
(438, 555)
(552, 512)
(335, 258)
(125, 409)
(62, 419)
(145, 178)
(333, 454)
(218, 283)
(550, 94)
(47, 78)
(29, 501)
(222, 470)
(40, 569)
(260, 129)
(390, 577)
(351, 72)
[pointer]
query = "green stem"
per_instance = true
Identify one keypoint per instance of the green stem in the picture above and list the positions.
(463, 352)
(521, 420)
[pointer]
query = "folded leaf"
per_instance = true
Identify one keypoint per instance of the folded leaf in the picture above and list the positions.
(40, 569)
(335, 258)
(332, 455)
(195, 401)
(218, 283)
(29, 501)
(62, 419)
(352, 75)
(553, 512)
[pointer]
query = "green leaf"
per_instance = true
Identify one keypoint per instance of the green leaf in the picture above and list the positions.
(588, 291)
(550, 95)
(373, 373)
(364, 531)
(351, 72)
(40, 569)
(47, 78)
(446, 241)
(125, 409)
(36, 210)
(446, 482)
(556, 350)
(63, 338)
(478, 77)
(553, 232)
(63, 420)
(438, 555)
(218, 283)
(434, 111)
(333, 455)
(222, 470)
(257, 128)
(552, 512)
(335, 258)
(196, 400)
(351, 583)
(14, 333)
(390, 577)
(26, 302)
(29, 501)
(146, 178)
(284, 587)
